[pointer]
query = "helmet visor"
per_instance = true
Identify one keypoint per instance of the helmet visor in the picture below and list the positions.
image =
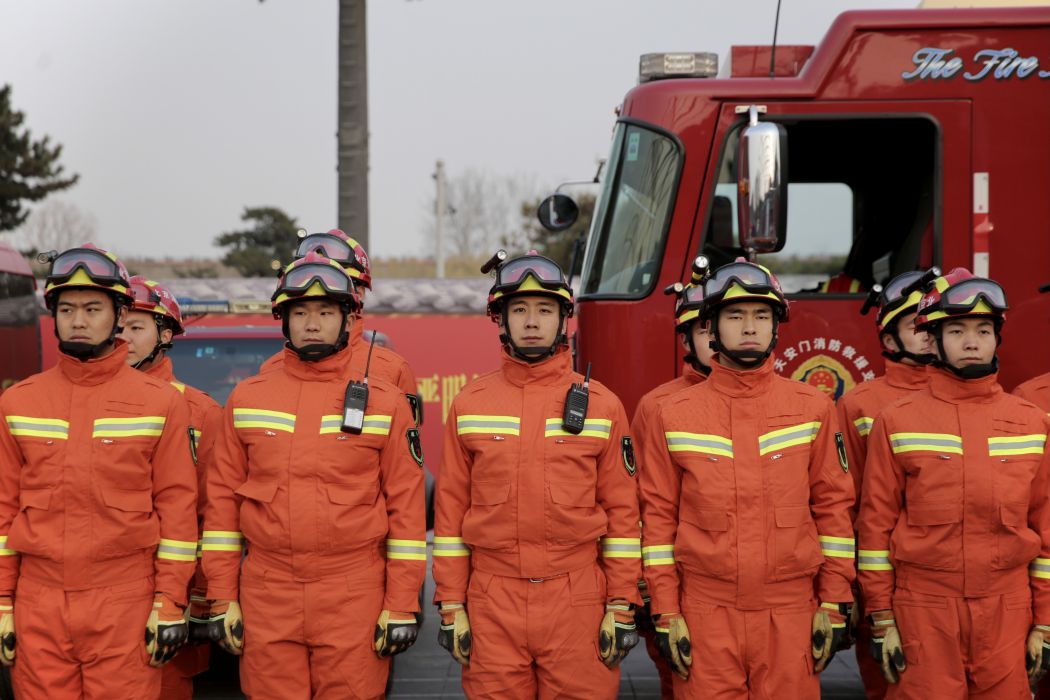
(96, 265)
(692, 295)
(143, 294)
(966, 295)
(545, 271)
(299, 279)
(899, 286)
(750, 277)
(332, 247)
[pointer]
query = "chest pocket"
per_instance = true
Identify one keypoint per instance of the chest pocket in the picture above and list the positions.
(1017, 451)
(785, 450)
(123, 440)
(266, 436)
(932, 463)
(493, 443)
(574, 457)
(43, 445)
(350, 457)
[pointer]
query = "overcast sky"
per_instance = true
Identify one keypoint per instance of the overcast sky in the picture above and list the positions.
(179, 113)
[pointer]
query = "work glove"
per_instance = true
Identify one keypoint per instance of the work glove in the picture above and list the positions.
(395, 632)
(7, 630)
(672, 639)
(643, 616)
(829, 632)
(454, 634)
(200, 615)
(1037, 652)
(886, 645)
(617, 634)
(226, 626)
(166, 630)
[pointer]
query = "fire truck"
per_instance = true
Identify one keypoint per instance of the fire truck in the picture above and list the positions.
(906, 139)
(19, 318)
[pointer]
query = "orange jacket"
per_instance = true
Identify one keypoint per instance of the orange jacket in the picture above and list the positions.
(858, 408)
(955, 499)
(518, 496)
(311, 500)
(647, 406)
(97, 484)
(774, 531)
(1036, 390)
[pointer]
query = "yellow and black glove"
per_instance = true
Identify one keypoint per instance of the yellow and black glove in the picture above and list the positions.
(1037, 652)
(829, 632)
(7, 630)
(200, 615)
(672, 639)
(395, 632)
(617, 634)
(167, 630)
(226, 626)
(886, 645)
(454, 634)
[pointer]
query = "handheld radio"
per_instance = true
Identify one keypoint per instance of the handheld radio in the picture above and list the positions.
(356, 399)
(575, 415)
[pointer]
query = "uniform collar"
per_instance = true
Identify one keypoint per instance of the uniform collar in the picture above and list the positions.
(549, 371)
(746, 383)
(162, 369)
(948, 387)
(96, 370)
(334, 366)
(357, 330)
(690, 374)
(904, 376)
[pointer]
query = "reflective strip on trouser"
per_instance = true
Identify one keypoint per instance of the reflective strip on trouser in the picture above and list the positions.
(1017, 445)
(788, 437)
(28, 426)
(621, 547)
(4, 551)
(450, 547)
(406, 549)
(221, 541)
(925, 442)
(146, 426)
(247, 418)
(842, 547)
(1039, 568)
(658, 555)
(863, 425)
(874, 560)
(177, 550)
(372, 425)
(592, 427)
(699, 442)
(499, 425)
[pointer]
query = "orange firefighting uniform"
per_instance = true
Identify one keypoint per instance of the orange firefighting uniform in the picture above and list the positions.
(206, 423)
(745, 553)
(334, 523)
(97, 512)
(955, 535)
(643, 415)
(857, 410)
(535, 529)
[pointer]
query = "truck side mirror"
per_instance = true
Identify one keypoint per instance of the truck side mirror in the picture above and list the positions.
(558, 212)
(762, 186)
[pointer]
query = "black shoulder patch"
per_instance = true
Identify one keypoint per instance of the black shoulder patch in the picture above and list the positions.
(194, 439)
(415, 402)
(628, 457)
(415, 447)
(840, 445)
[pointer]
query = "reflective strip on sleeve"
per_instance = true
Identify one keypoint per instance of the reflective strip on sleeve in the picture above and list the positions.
(788, 437)
(177, 550)
(842, 547)
(28, 426)
(658, 555)
(874, 560)
(1039, 568)
(1017, 445)
(500, 425)
(415, 550)
(450, 547)
(146, 426)
(863, 425)
(925, 442)
(699, 442)
(221, 541)
(592, 427)
(4, 551)
(621, 547)
(246, 418)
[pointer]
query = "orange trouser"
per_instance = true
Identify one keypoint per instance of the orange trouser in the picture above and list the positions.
(83, 644)
(176, 680)
(749, 654)
(537, 639)
(314, 639)
(962, 647)
(663, 669)
(870, 670)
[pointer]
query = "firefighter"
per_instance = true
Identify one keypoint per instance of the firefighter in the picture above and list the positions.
(98, 523)
(748, 548)
(536, 543)
(954, 552)
(695, 338)
(152, 322)
(907, 353)
(319, 469)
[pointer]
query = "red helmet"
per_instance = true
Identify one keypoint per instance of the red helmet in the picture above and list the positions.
(154, 298)
(960, 294)
(314, 275)
(340, 247)
(689, 302)
(529, 274)
(743, 281)
(87, 267)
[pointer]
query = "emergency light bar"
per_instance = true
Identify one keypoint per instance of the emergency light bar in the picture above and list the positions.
(658, 66)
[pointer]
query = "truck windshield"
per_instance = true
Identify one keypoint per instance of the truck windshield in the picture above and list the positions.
(626, 242)
(216, 365)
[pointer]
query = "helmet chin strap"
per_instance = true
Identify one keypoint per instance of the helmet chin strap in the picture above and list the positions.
(693, 358)
(157, 348)
(533, 354)
(925, 358)
(969, 371)
(317, 351)
(89, 351)
(748, 359)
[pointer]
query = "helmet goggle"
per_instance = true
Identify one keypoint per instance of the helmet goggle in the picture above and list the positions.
(966, 295)
(332, 247)
(750, 277)
(96, 265)
(896, 288)
(299, 279)
(544, 271)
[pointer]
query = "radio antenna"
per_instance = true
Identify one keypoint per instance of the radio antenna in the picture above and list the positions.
(773, 49)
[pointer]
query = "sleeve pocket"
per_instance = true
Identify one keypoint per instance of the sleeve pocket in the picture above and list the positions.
(352, 494)
(127, 500)
(262, 491)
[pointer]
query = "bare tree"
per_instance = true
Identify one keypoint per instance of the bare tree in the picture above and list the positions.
(56, 225)
(484, 211)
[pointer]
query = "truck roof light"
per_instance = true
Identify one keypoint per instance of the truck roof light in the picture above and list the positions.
(657, 66)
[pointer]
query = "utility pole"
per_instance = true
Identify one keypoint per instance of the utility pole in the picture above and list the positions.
(352, 127)
(440, 210)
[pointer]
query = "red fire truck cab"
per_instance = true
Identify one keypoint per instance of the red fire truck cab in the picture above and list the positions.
(907, 139)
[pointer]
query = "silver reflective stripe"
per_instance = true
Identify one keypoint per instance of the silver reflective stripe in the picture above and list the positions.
(405, 549)
(712, 444)
(450, 547)
(862, 560)
(787, 437)
(925, 442)
(333, 423)
(174, 549)
(220, 540)
(144, 425)
(1015, 445)
(376, 423)
(631, 548)
(837, 546)
(44, 428)
(247, 415)
(488, 424)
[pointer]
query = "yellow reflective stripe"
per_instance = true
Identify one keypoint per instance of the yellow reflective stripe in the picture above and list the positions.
(699, 442)
(29, 426)
(331, 424)
(842, 547)
(500, 425)
(925, 442)
(830, 606)
(414, 550)
(1039, 568)
(221, 541)
(788, 437)
(450, 547)
(658, 555)
(592, 427)
(4, 551)
(128, 427)
(262, 418)
(1017, 445)
(621, 547)
(180, 386)
(177, 550)
(874, 560)
(863, 425)
(376, 425)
